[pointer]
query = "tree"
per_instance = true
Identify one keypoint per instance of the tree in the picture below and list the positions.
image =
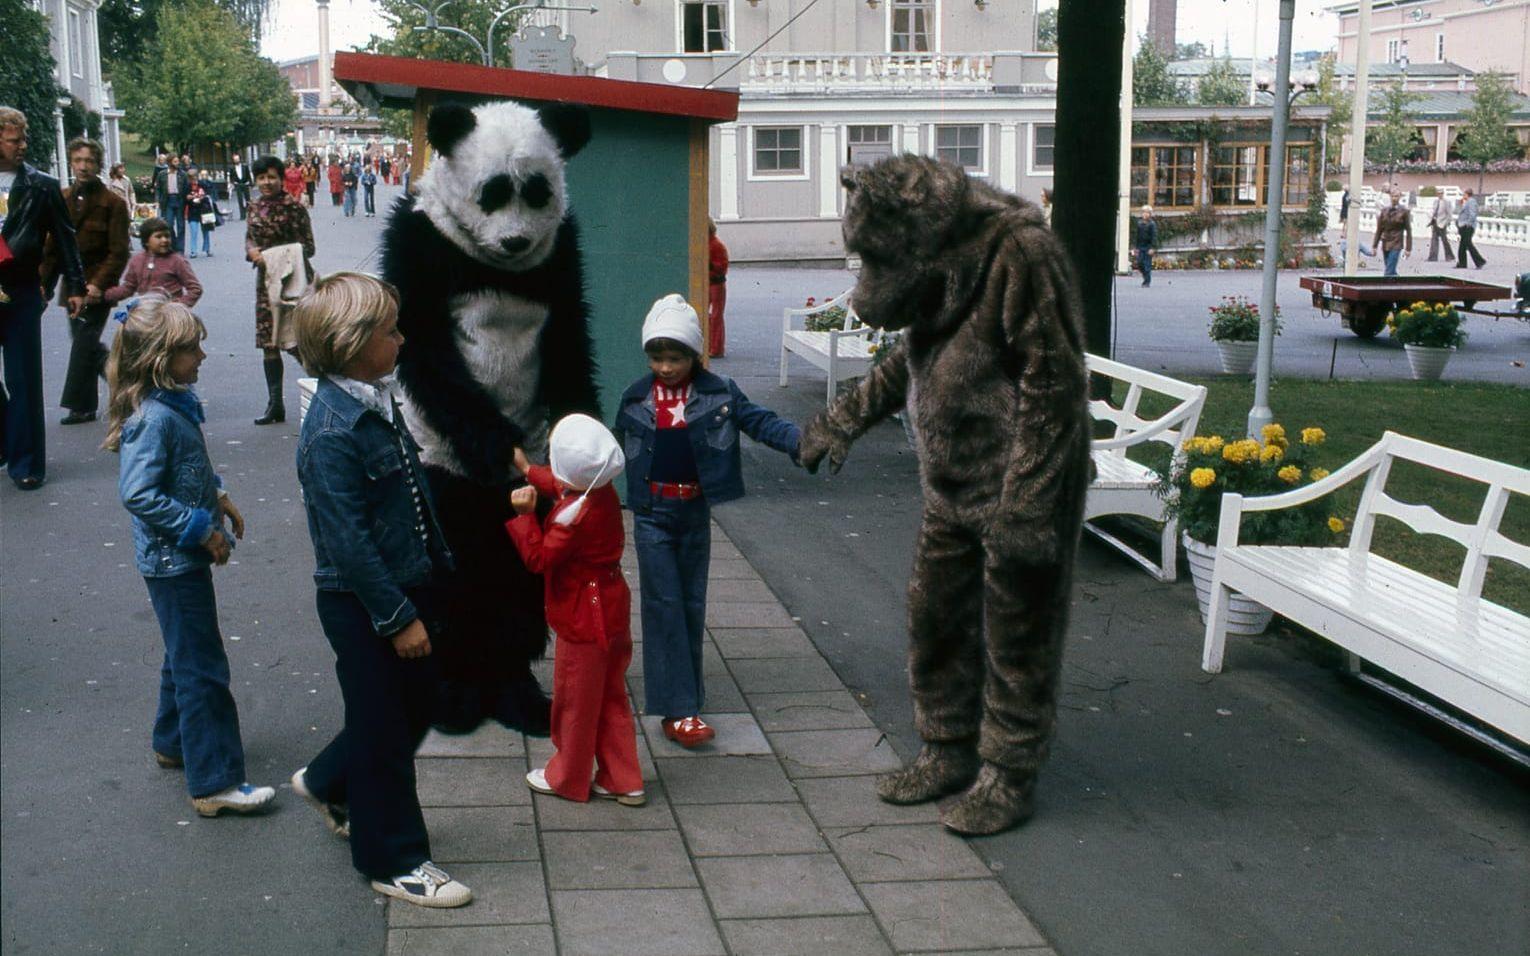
(1222, 85)
(26, 75)
(1397, 137)
(1485, 136)
(201, 81)
(473, 16)
(127, 26)
(1342, 110)
(1190, 51)
(1046, 30)
(1152, 83)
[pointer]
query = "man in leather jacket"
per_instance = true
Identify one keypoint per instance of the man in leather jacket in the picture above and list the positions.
(31, 209)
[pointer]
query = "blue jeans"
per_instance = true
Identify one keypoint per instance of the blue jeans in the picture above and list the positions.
(22, 435)
(350, 201)
(1145, 263)
(1390, 258)
(175, 212)
(197, 234)
(674, 547)
(371, 199)
(197, 719)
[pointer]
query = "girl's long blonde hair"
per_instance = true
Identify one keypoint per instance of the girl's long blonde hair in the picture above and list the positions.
(154, 331)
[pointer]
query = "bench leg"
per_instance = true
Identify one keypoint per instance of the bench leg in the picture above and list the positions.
(829, 399)
(783, 366)
(1216, 628)
(1168, 560)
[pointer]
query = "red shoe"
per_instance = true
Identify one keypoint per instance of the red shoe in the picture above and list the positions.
(688, 731)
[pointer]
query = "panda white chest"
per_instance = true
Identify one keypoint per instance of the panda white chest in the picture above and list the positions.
(498, 334)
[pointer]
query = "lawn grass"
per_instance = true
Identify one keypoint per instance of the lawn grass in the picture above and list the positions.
(1488, 420)
(137, 156)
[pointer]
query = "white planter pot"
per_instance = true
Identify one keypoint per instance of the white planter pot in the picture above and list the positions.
(1243, 615)
(1427, 361)
(1238, 357)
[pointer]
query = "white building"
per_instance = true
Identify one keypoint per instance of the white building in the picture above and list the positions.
(75, 44)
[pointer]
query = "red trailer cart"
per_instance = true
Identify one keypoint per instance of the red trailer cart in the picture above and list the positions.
(1364, 301)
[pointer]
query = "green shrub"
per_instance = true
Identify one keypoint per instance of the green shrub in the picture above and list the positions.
(1436, 326)
(1236, 319)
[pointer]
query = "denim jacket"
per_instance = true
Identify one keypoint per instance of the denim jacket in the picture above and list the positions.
(716, 412)
(167, 484)
(356, 471)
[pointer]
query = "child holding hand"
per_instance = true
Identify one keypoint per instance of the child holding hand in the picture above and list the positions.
(178, 506)
(578, 552)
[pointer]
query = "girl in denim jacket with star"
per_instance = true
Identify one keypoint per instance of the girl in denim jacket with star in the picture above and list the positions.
(178, 507)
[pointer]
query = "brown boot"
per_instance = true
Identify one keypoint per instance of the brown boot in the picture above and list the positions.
(992, 804)
(939, 769)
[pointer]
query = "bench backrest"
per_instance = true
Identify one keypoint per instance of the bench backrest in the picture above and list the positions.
(1482, 540)
(1170, 428)
(797, 318)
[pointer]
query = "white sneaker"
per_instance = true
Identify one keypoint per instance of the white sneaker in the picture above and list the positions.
(635, 798)
(335, 815)
(537, 781)
(425, 885)
(244, 798)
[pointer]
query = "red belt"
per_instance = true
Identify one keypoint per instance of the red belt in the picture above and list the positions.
(665, 489)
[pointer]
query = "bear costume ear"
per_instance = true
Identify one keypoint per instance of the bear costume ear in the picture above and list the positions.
(448, 125)
(847, 177)
(568, 124)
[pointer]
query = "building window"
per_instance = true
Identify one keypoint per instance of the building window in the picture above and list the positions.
(1164, 176)
(962, 145)
(1240, 174)
(778, 149)
(704, 26)
(76, 44)
(1394, 48)
(1043, 145)
(1300, 161)
(1439, 48)
(865, 145)
(912, 22)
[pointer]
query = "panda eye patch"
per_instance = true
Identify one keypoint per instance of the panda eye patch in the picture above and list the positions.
(536, 191)
(496, 193)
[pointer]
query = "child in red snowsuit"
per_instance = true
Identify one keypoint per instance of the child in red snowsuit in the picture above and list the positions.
(578, 552)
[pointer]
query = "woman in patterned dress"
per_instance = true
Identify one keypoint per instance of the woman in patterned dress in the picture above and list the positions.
(276, 218)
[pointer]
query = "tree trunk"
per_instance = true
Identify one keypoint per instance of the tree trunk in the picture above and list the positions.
(1084, 195)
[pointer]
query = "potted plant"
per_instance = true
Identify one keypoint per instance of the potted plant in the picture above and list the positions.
(1429, 334)
(1207, 467)
(1235, 329)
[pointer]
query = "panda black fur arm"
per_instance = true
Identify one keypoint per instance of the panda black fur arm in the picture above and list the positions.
(568, 364)
(428, 270)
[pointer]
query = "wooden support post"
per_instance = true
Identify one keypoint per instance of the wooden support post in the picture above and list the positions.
(423, 101)
(700, 287)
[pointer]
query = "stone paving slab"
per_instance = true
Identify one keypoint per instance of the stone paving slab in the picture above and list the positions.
(635, 923)
(736, 643)
(809, 710)
(725, 780)
(736, 829)
(481, 834)
(737, 735)
(503, 893)
(489, 740)
(471, 782)
(927, 851)
(810, 884)
(834, 753)
(852, 802)
(766, 613)
(934, 916)
(508, 940)
(623, 859)
(785, 676)
(839, 935)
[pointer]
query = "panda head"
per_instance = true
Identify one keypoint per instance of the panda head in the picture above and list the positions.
(495, 185)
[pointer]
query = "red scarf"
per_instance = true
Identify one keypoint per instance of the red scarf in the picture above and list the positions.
(670, 403)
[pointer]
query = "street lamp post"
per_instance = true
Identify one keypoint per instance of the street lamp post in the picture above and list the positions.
(486, 52)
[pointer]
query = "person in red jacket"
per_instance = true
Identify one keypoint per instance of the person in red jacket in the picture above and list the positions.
(717, 298)
(292, 178)
(578, 552)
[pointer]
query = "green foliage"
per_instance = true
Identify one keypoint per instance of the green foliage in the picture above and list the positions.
(1236, 319)
(1397, 136)
(472, 16)
(1222, 86)
(1046, 30)
(1341, 105)
(201, 81)
(1208, 467)
(1436, 326)
(26, 75)
(1486, 135)
(1152, 83)
(1190, 51)
(80, 120)
(127, 27)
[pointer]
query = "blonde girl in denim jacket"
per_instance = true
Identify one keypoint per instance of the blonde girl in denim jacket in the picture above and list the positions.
(178, 507)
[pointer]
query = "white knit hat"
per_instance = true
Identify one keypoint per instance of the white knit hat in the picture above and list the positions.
(673, 318)
(584, 456)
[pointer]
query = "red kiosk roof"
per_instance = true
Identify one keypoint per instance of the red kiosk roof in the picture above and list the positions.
(393, 81)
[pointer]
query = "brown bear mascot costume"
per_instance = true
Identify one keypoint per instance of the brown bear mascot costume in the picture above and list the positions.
(991, 367)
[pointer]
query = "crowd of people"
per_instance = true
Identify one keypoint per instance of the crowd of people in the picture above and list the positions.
(1394, 230)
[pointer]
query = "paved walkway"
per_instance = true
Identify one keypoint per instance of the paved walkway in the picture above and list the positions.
(769, 840)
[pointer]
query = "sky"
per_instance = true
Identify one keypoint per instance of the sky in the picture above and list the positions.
(294, 32)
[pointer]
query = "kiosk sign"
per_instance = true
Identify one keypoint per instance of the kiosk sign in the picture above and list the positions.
(542, 50)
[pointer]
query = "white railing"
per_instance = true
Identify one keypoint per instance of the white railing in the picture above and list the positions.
(1491, 230)
(856, 72)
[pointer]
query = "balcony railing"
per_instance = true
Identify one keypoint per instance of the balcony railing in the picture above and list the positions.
(867, 72)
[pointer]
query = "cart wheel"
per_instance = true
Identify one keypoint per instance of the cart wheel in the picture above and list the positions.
(1368, 323)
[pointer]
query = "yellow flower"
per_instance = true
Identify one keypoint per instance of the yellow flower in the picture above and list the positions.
(1289, 474)
(1203, 477)
(1241, 451)
(1335, 524)
(1318, 474)
(1271, 453)
(1214, 444)
(1313, 436)
(1272, 432)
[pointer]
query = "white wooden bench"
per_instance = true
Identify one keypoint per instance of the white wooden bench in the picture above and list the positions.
(844, 353)
(1445, 639)
(1124, 486)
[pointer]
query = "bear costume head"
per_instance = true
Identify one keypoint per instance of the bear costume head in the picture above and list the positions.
(495, 185)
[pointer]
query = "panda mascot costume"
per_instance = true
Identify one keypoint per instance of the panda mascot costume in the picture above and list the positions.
(496, 348)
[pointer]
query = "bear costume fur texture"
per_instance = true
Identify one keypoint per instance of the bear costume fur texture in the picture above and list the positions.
(496, 347)
(991, 367)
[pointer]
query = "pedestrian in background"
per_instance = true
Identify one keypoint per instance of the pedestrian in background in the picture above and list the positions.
(100, 220)
(277, 219)
(1466, 227)
(1440, 218)
(201, 215)
(717, 292)
(1394, 234)
(368, 190)
(348, 180)
(179, 507)
(119, 183)
(1146, 237)
(336, 186)
(292, 178)
(239, 182)
(376, 544)
(311, 178)
(170, 189)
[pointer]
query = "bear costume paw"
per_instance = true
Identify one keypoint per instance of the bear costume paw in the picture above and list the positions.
(522, 706)
(939, 769)
(991, 805)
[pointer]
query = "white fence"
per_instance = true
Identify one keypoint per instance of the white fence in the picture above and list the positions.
(867, 72)
(1491, 230)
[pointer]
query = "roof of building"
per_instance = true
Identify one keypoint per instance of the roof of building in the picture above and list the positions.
(1202, 65)
(1440, 105)
(393, 81)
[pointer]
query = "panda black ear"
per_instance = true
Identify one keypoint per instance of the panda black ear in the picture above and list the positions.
(568, 124)
(448, 125)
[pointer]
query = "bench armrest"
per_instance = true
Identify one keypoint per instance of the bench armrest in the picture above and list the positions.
(1234, 505)
(1182, 412)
